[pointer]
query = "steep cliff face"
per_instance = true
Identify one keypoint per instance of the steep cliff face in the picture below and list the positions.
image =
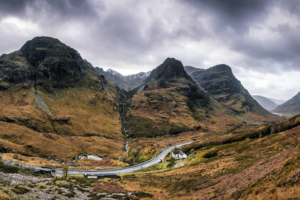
(292, 106)
(47, 89)
(169, 102)
(220, 83)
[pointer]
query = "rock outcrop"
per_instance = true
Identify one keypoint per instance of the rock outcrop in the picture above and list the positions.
(220, 84)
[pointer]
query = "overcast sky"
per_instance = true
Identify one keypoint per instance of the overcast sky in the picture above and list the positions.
(258, 39)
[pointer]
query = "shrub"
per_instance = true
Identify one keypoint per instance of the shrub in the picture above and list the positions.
(8, 169)
(210, 154)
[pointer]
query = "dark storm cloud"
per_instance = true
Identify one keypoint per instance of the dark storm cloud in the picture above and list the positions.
(72, 9)
(236, 14)
(137, 35)
(64, 9)
(13, 7)
(233, 22)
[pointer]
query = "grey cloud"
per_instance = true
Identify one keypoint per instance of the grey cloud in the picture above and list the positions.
(236, 14)
(14, 7)
(136, 34)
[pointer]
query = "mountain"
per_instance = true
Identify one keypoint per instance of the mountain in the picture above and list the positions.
(265, 102)
(54, 104)
(125, 82)
(170, 102)
(292, 106)
(278, 102)
(190, 69)
(220, 83)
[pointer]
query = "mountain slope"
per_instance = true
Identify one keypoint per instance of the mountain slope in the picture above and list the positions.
(48, 92)
(220, 83)
(265, 102)
(125, 82)
(292, 106)
(169, 102)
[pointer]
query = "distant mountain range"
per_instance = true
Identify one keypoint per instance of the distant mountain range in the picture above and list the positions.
(292, 106)
(128, 82)
(265, 102)
(278, 102)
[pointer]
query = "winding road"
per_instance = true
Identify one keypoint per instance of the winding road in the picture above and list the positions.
(160, 156)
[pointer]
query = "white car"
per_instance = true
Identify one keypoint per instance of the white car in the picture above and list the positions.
(159, 161)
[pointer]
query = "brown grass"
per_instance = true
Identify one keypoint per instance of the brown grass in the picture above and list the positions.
(109, 186)
(248, 169)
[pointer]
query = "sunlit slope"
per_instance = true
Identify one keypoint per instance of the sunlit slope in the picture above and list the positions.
(47, 88)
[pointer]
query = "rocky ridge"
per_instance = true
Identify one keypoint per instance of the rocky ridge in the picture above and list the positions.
(220, 84)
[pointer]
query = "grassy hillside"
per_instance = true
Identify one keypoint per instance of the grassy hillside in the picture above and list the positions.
(253, 164)
(53, 103)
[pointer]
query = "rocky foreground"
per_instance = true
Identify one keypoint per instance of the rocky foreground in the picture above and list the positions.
(19, 186)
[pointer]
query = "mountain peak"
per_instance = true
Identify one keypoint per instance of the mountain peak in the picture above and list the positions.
(221, 68)
(169, 69)
(39, 48)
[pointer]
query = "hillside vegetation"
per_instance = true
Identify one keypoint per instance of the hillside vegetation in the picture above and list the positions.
(53, 103)
(253, 164)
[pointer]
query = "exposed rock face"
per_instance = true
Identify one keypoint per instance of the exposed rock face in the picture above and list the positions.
(42, 61)
(125, 82)
(292, 106)
(53, 63)
(218, 80)
(265, 102)
(220, 83)
(169, 69)
(14, 69)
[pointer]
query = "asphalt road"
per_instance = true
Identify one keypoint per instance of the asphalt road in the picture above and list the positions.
(134, 168)
(149, 163)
